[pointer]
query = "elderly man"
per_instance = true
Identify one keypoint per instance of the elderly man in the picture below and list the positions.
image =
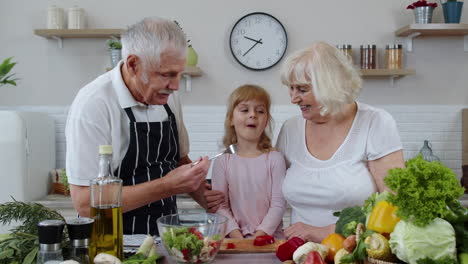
(133, 108)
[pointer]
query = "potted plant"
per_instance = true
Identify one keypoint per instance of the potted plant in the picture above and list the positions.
(115, 51)
(422, 11)
(192, 56)
(5, 76)
(452, 11)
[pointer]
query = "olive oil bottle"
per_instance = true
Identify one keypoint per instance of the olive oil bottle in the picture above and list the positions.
(106, 209)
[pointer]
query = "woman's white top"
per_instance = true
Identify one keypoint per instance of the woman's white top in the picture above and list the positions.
(316, 188)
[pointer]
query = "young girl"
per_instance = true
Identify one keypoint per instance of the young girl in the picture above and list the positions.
(252, 178)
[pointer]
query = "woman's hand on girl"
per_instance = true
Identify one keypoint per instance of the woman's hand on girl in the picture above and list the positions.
(308, 232)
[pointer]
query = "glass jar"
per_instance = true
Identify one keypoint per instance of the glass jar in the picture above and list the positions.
(368, 56)
(347, 50)
(393, 54)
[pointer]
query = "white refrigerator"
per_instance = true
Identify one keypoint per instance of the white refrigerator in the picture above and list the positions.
(27, 154)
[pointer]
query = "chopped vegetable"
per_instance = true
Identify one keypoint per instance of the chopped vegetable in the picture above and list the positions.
(314, 258)
(334, 242)
(348, 220)
(263, 240)
(423, 190)
(230, 246)
(301, 252)
(286, 250)
(434, 241)
(383, 218)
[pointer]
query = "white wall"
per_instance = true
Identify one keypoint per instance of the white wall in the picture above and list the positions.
(52, 76)
(441, 125)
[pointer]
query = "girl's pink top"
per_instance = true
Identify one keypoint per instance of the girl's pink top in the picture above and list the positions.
(253, 196)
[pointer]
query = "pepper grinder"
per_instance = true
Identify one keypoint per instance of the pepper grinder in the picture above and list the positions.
(50, 241)
(79, 231)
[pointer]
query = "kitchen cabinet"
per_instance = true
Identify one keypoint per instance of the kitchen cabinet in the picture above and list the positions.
(433, 30)
(60, 34)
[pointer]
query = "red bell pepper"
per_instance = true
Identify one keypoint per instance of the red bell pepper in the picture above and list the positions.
(314, 258)
(286, 250)
(230, 246)
(263, 240)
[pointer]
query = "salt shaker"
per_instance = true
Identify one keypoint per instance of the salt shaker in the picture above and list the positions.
(55, 18)
(76, 18)
(50, 241)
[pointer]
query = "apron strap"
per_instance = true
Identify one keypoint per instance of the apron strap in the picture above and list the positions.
(130, 115)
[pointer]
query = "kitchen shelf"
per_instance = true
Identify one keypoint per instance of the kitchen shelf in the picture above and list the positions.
(415, 30)
(60, 34)
(386, 72)
(383, 73)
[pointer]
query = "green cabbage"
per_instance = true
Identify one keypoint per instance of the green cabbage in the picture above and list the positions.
(434, 241)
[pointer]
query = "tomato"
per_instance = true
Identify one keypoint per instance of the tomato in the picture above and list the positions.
(194, 231)
(313, 258)
(263, 240)
(230, 246)
(334, 242)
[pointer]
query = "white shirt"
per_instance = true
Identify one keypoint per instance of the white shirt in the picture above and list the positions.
(97, 117)
(316, 188)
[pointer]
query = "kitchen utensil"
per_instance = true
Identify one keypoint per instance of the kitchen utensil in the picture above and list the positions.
(203, 230)
(247, 246)
(232, 149)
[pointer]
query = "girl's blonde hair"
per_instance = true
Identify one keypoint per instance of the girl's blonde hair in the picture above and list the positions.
(331, 74)
(245, 93)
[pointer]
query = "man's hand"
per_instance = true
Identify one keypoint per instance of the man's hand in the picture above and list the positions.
(187, 179)
(213, 198)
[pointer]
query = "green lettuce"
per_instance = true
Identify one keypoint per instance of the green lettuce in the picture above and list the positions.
(435, 241)
(182, 239)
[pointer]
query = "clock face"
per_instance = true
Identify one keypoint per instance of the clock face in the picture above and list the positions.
(258, 41)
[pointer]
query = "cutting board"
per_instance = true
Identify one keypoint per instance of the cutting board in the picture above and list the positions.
(247, 246)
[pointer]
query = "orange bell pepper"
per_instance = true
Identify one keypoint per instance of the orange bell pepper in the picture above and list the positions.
(383, 218)
(334, 242)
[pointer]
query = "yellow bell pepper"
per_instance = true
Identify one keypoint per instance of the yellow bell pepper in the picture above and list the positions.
(383, 218)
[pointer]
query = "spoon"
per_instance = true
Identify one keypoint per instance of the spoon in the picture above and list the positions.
(232, 149)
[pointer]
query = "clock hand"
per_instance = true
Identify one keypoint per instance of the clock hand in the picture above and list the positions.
(259, 41)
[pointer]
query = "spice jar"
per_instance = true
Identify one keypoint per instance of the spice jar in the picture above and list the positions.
(368, 56)
(347, 50)
(76, 18)
(393, 53)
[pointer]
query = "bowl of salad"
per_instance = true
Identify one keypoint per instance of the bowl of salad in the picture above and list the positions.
(192, 238)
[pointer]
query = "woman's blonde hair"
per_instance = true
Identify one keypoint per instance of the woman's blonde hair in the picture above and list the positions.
(245, 93)
(334, 80)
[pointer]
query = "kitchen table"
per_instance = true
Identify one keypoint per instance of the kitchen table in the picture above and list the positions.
(256, 258)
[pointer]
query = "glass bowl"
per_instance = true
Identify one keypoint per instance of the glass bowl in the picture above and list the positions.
(192, 238)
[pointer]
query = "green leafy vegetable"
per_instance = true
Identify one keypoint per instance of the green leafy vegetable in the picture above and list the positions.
(21, 245)
(435, 241)
(182, 239)
(348, 220)
(374, 199)
(423, 190)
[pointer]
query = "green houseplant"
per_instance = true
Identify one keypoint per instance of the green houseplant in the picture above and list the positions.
(5, 76)
(115, 51)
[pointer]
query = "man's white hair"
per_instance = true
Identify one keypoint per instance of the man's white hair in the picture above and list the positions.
(151, 37)
(334, 80)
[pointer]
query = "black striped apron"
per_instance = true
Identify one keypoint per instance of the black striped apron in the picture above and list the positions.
(153, 151)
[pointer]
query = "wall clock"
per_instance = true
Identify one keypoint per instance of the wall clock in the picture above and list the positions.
(258, 41)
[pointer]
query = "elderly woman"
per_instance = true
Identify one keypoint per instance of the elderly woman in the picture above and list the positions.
(340, 150)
